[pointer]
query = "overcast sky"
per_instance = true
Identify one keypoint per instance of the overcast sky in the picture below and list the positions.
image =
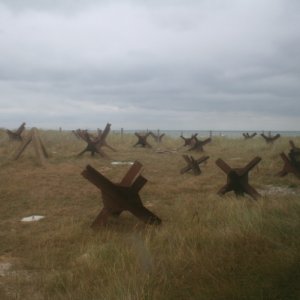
(203, 64)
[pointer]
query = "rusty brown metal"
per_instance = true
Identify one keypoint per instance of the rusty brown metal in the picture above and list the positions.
(16, 135)
(94, 144)
(294, 146)
(270, 139)
(78, 133)
(157, 137)
(142, 140)
(101, 138)
(291, 162)
(193, 164)
(248, 136)
(119, 197)
(84, 134)
(198, 144)
(237, 179)
(189, 141)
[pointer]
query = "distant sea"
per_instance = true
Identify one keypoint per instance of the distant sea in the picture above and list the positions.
(224, 133)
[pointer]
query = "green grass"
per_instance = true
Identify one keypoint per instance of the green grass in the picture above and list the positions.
(208, 247)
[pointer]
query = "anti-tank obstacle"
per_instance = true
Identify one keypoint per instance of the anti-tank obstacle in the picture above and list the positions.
(77, 133)
(119, 197)
(94, 144)
(291, 162)
(157, 137)
(189, 141)
(237, 179)
(16, 135)
(248, 136)
(193, 164)
(142, 140)
(270, 139)
(198, 144)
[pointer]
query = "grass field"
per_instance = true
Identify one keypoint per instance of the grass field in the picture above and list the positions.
(207, 247)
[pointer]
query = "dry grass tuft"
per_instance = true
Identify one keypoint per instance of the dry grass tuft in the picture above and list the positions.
(208, 247)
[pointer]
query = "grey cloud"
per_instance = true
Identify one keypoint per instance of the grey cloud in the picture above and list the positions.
(164, 61)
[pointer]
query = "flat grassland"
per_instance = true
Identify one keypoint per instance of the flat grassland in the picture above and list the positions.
(207, 247)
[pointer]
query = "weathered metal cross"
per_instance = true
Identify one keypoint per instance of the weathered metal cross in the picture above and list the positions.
(142, 140)
(248, 136)
(16, 135)
(118, 197)
(101, 138)
(157, 137)
(193, 164)
(94, 144)
(237, 179)
(291, 163)
(270, 139)
(198, 145)
(189, 141)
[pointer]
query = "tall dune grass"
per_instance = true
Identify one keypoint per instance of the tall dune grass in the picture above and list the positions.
(208, 247)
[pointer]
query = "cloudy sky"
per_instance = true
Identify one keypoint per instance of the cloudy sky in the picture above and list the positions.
(202, 64)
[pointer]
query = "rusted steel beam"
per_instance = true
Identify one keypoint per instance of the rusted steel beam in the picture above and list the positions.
(223, 166)
(99, 132)
(132, 174)
(248, 136)
(250, 165)
(94, 144)
(193, 164)
(270, 139)
(142, 140)
(75, 132)
(291, 162)
(157, 137)
(189, 141)
(82, 134)
(92, 147)
(26, 141)
(237, 179)
(119, 197)
(288, 167)
(294, 146)
(16, 135)
(198, 144)
(102, 135)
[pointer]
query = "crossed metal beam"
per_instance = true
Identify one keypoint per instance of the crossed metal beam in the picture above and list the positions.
(291, 162)
(237, 179)
(94, 144)
(198, 144)
(193, 164)
(248, 136)
(189, 141)
(118, 197)
(142, 140)
(16, 135)
(270, 139)
(158, 137)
